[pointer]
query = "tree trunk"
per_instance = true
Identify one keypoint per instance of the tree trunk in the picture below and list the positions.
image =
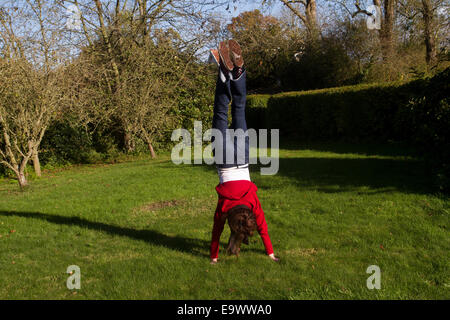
(143, 16)
(37, 164)
(21, 179)
(311, 19)
(430, 44)
(146, 137)
(152, 152)
(128, 142)
(387, 29)
(107, 42)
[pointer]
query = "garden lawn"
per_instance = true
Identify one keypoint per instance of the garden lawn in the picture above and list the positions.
(141, 230)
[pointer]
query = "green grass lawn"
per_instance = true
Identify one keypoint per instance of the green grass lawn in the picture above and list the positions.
(141, 230)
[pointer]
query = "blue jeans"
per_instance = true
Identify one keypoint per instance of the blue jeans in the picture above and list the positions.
(237, 146)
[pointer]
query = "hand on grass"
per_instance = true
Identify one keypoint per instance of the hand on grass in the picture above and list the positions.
(272, 256)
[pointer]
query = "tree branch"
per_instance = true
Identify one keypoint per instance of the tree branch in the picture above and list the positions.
(359, 10)
(294, 10)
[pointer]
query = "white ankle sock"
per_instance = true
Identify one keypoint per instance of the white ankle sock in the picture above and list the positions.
(233, 174)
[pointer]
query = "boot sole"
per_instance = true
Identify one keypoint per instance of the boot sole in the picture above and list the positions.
(236, 51)
(224, 53)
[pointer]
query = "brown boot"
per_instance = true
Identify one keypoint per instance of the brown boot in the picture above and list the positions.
(224, 53)
(214, 57)
(235, 53)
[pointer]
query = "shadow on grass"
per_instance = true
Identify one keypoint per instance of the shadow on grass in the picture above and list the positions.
(178, 243)
(361, 175)
(333, 175)
(393, 149)
(188, 245)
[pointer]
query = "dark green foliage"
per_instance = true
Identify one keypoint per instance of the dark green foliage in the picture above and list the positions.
(64, 143)
(416, 113)
(255, 111)
(429, 115)
(3, 170)
(363, 112)
(322, 65)
(195, 98)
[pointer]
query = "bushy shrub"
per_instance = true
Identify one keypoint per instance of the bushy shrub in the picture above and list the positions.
(2, 170)
(429, 117)
(321, 65)
(65, 143)
(195, 98)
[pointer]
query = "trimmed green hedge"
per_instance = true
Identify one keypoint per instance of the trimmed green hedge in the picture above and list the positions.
(369, 112)
(416, 112)
(256, 110)
(355, 113)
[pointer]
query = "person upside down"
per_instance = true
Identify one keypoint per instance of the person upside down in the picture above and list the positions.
(237, 199)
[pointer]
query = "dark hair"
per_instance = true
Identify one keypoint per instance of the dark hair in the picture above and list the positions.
(241, 220)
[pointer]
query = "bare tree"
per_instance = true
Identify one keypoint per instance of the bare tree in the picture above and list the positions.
(424, 16)
(29, 96)
(113, 30)
(27, 104)
(306, 11)
(427, 10)
(388, 17)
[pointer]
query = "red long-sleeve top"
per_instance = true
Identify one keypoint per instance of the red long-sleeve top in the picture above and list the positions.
(233, 193)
